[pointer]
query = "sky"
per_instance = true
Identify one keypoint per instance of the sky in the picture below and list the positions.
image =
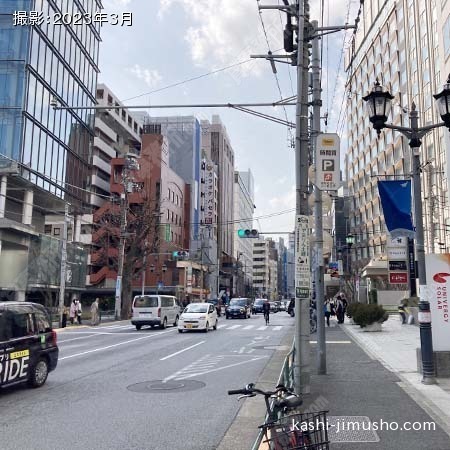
(174, 40)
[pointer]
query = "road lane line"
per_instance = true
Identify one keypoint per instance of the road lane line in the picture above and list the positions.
(248, 327)
(333, 342)
(277, 328)
(262, 328)
(181, 351)
(76, 339)
(233, 327)
(114, 345)
(221, 326)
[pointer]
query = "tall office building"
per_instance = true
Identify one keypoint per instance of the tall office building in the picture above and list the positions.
(44, 153)
(217, 147)
(244, 207)
(405, 44)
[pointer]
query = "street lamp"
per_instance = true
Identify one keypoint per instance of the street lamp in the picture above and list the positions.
(379, 105)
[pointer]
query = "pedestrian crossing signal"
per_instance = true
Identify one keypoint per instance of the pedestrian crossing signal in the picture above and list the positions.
(248, 233)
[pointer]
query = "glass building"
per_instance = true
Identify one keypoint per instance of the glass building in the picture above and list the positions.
(44, 153)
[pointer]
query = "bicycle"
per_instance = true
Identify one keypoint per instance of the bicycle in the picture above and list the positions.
(299, 431)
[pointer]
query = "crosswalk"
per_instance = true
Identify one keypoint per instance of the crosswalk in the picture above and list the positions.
(250, 327)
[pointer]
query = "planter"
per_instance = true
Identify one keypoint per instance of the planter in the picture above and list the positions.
(373, 327)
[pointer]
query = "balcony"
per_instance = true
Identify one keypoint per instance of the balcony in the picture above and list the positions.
(105, 129)
(101, 164)
(101, 183)
(104, 147)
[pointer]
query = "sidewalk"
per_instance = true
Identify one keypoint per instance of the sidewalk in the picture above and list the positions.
(87, 324)
(358, 389)
(395, 347)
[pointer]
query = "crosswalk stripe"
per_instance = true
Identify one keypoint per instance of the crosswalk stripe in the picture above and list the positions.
(221, 326)
(277, 328)
(262, 328)
(233, 327)
(248, 327)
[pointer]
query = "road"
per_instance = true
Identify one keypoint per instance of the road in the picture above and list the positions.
(100, 395)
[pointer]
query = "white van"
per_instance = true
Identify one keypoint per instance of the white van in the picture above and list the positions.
(152, 310)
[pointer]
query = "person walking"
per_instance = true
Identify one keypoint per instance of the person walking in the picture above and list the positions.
(95, 316)
(339, 309)
(79, 311)
(73, 311)
(327, 311)
(266, 310)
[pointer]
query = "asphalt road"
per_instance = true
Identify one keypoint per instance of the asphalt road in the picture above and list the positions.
(94, 399)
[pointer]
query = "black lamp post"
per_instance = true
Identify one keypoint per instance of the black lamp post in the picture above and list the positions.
(378, 102)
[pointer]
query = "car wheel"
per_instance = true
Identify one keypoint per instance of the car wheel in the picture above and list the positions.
(138, 327)
(164, 323)
(179, 330)
(176, 321)
(39, 373)
(215, 325)
(206, 328)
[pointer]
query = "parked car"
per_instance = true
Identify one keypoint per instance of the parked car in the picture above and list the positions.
(239, 307)
(283, 305)
(273, 307)
(198, 316)
(28, 347)
(155, 310)
(258, 306)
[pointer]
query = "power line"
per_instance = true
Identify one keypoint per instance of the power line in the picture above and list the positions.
(179, 83)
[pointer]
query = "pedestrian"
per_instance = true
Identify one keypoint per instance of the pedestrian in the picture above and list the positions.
(339, 309)
(327, 311)
(64, 316)
(95, 316)
(73, 310)
(266, 310)
(79, 311)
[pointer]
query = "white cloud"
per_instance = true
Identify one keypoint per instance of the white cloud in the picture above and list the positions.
(222, 33)
(283, 202)
(151, 77)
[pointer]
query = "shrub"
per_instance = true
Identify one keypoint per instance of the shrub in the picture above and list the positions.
(351, 309)
(368, 314)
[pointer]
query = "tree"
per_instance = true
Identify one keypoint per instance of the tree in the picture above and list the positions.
(142, 231)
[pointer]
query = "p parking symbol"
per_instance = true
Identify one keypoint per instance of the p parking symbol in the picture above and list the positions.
(328, 165)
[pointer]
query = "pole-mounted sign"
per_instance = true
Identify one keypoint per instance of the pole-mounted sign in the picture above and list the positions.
(328, 175)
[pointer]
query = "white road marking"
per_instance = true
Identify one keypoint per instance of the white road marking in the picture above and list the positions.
(233, 327)
(248, 327)
(115, 345)
(181, 351)
(262, 328)
(277, 328)
(221, 326)
(333, 342)
(76, 339)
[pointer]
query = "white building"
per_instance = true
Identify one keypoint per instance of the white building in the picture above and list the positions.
(261, 267)
(243, 219)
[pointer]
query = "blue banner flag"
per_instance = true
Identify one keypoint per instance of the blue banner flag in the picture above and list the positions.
(395, 199)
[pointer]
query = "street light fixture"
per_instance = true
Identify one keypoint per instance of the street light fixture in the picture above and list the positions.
(379, 106)
(350, 240)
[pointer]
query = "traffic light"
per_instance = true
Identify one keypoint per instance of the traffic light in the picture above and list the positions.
(180, 254)
(248, 233)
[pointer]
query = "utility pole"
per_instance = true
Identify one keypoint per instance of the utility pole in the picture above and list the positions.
(62, 283)
(318, 226)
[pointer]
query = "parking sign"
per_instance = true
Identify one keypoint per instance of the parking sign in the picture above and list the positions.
(327, 162)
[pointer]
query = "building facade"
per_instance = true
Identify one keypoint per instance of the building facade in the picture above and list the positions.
(244, 206)
(405, 44)
(47, 150)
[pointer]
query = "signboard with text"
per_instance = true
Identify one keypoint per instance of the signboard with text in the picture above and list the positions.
(438, 284)
(328, 162)
(209, 193)
(302, 266)
(398, 277)
(397, 254)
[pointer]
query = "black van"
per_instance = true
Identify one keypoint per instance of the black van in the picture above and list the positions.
(28, 349)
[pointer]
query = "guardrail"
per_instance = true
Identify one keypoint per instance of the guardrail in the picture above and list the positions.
(287, 379)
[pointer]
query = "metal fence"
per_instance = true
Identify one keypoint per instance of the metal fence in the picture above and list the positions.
(287, 379)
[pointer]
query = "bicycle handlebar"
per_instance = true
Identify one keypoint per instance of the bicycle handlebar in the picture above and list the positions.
(250, 389)
(238, 391)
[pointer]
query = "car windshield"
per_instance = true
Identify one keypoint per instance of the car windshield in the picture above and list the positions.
(145, 301)
(196, 308)
(238, 303)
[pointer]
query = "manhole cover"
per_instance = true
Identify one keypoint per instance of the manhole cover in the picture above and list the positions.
(159, 386)
(272, 347)
(351, 429)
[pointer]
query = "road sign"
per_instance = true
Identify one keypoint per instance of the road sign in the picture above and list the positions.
(398, 277)
(302, 266)
(160, 284)
(328, 162)
(118, 286)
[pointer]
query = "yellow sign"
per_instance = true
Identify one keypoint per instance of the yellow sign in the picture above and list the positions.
(327, 142)
(21, 354)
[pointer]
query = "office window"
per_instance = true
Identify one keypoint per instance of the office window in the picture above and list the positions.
(446, 33)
